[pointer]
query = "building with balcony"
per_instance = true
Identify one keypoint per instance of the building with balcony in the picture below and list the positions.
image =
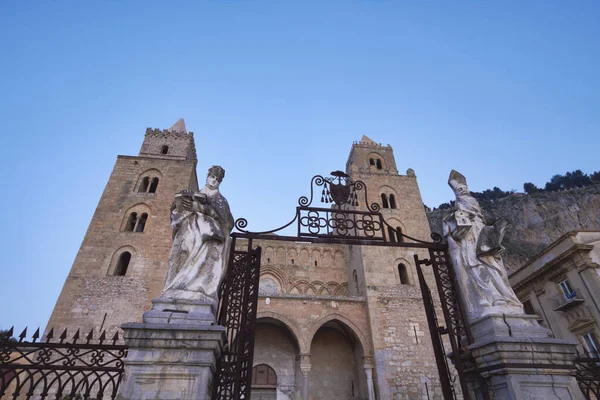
(562, 286)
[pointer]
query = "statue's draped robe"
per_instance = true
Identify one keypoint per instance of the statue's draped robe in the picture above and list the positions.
(481, 276)
(199, 251)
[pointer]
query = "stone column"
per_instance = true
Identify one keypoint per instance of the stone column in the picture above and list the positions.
(173, 353)
(520, 360)
(368, 367)
(305, 369)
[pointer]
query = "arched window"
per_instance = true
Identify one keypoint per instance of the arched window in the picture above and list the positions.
(403, 273)
(384, 201)
(264, 376)
(371, 161)
(141, 223)
(122, 264)
(144, 185)
(153, 185)
(399, 236)
(379, 164)
(392, 201)
(392, 234)
(164, 149)
(131, 222)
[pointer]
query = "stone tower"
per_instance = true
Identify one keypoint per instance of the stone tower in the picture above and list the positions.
(122, 262)
(404, 362)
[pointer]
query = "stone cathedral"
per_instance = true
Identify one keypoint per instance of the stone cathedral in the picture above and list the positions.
(348, 321)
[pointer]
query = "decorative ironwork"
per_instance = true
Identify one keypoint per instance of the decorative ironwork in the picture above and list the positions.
(237, 313)
(79, 368)
(587, 373)
(344, 217)
(350, 216)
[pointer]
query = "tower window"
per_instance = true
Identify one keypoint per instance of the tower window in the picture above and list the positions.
(403, 273)
(164, 149)
(122, 264)
(378, 164)
(141, 223)
(384, 201)
(355, 276)
(136, 223)
(392, 234)
(392, 201)
(131, 222)
(153, 185)
(399, 236)
(144, 185)
(371, 161)
(315, 263)
(292, 261)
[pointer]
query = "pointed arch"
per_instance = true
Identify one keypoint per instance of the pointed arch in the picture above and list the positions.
(290, 325)
(359, 336)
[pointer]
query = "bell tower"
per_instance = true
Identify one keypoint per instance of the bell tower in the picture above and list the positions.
(387, 276)
(122, 262)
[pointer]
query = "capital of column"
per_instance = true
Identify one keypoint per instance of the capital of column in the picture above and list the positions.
(368, 363)
(305, 363)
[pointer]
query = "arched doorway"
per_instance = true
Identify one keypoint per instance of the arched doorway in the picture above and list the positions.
(276, 371)
(336, 363)
(264, 383)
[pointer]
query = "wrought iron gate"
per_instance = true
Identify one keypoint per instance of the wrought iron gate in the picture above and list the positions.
(237, 313)
(343, 222)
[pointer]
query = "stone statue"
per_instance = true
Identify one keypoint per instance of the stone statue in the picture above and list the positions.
(475, 249)
(201, 223)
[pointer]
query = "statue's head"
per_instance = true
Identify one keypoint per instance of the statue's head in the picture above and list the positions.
(217, 171)
(215, 176)
(458, 183)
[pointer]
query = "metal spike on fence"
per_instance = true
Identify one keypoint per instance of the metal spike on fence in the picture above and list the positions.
(76, 337)
(23, 335)
(10, 332)
(90, 336)
(116, 337)
(102, 336)
(50, 335)
(63, 335)
(36, 335)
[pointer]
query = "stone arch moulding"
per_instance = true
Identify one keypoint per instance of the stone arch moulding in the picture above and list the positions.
(376, 156)
(362, 340)
(388, 190)
(285, 321)
(394, 222)
(267, 270)
(112, 262)
(151, 173)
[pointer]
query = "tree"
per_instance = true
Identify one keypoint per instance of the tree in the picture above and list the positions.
(530, 188)
(595, 177)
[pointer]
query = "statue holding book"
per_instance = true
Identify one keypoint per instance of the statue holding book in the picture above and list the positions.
(476, 252)
(201, 222)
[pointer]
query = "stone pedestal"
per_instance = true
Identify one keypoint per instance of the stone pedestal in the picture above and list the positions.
(173, 353)
(520, 360)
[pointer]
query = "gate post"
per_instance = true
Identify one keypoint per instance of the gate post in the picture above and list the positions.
(172, 355)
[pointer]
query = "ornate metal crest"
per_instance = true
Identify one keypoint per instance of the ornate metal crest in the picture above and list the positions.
(345, 213)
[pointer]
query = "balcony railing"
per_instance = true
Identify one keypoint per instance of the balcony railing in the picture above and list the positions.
(563, 302)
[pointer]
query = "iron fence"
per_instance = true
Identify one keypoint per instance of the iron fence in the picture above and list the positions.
(587, 372)
(60, 368)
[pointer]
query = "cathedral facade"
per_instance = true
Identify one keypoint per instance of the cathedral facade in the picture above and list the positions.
(340, 321)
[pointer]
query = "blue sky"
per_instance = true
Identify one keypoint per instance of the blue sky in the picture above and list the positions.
(506, 92)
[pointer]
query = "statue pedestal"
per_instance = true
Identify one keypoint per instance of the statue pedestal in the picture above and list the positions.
(173, 354)
(520, 361)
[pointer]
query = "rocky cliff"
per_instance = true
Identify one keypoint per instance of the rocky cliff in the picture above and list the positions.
(537, 220)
